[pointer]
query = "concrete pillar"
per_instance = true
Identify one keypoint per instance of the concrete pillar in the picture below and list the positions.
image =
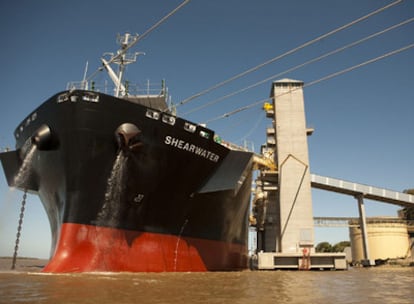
(288, 236)
(363, 226)
(295, 228)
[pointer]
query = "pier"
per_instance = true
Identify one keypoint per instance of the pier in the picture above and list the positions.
(282, 203)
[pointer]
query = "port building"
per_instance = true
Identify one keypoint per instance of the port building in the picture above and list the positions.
(282, 202)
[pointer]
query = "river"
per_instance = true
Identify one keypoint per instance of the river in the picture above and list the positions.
(358, 285)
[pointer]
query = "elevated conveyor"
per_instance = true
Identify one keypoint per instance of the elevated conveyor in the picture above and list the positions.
(368, 192)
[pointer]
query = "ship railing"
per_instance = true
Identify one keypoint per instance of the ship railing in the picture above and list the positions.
(135, 89)
(233, 146)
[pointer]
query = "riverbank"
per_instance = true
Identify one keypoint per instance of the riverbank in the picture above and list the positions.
(22, 264)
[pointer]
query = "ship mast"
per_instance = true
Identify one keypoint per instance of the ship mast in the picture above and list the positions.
(121, 58)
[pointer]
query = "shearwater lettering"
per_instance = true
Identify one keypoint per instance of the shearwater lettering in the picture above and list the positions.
(170, 181)
(183, 145)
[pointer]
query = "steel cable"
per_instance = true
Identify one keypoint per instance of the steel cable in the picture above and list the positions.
(255, 68)
(330, 76)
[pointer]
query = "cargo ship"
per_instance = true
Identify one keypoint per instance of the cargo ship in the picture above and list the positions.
(128, 185)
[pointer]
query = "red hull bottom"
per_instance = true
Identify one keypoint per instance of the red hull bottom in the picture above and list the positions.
(85, 248)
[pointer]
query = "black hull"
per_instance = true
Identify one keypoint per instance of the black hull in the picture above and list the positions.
(173, 179)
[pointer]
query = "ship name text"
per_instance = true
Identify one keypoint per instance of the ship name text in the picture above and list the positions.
(186, 146)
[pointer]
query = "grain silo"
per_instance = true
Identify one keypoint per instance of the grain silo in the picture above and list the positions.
(387, 239)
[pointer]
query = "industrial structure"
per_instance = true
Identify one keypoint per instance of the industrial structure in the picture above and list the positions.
(283, 201)
(387, 238)
(282, 205)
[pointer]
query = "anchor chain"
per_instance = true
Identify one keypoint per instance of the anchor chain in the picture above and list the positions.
(19, 229)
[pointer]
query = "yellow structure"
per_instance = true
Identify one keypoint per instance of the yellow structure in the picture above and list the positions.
(387, 239)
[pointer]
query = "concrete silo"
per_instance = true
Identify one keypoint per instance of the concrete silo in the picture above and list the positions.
(387, 239)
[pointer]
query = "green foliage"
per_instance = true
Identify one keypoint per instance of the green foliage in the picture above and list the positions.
(327, 247)
(340, 247)
(409, 191)
(323, 247)
(408, 212)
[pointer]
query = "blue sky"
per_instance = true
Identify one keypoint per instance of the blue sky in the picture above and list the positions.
(363, 119)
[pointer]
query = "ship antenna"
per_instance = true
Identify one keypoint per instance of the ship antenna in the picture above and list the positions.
(122, 51)
(84, 81)
(162, 20)
(122, 58)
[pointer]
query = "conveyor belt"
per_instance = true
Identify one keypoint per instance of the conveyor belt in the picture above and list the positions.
(368, 192)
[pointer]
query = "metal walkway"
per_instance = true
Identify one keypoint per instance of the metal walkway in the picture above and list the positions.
(368, 192)
(329, 221)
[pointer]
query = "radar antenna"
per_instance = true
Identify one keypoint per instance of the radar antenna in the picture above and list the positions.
(121, 58)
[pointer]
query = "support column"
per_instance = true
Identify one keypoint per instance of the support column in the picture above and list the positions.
(363, 226)
(288, 235)
(294, 200)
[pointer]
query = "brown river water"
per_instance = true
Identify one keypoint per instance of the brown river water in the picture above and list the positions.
(358, 285)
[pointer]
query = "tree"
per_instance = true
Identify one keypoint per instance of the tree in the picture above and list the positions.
(323, 247)
(408, 212)
(339, 247)
(327, 247)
